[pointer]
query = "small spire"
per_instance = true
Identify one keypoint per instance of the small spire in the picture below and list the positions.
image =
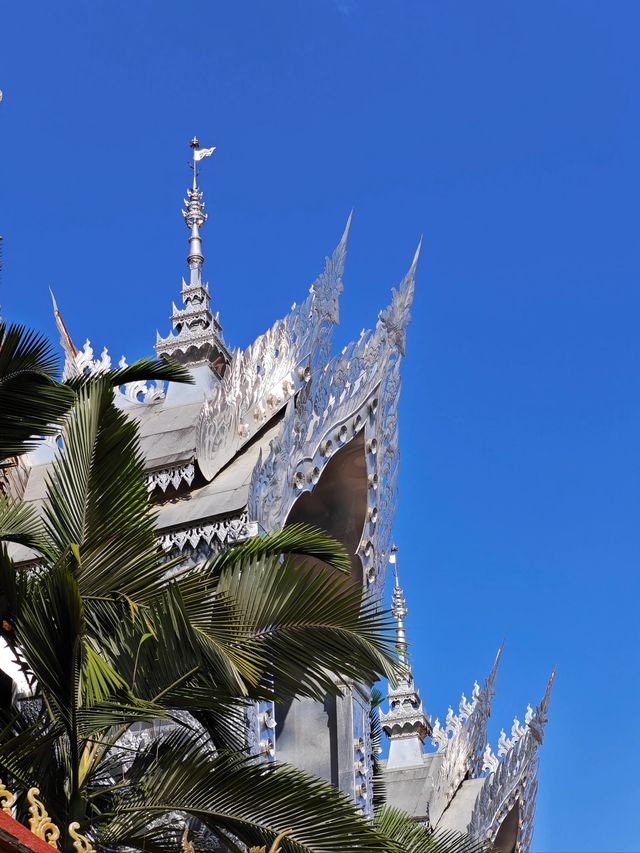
(405, 722)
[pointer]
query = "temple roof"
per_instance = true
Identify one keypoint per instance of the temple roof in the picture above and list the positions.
(411, 788)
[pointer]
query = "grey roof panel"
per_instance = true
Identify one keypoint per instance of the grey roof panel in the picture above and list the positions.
(457, 815)
(410, 788)
(227, 493)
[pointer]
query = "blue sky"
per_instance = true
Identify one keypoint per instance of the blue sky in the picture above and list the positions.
(507, 134)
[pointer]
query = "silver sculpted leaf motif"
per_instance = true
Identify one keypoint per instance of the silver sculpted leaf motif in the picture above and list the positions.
(395, 318)
(261, 379)
(515, 780)
(358, 390)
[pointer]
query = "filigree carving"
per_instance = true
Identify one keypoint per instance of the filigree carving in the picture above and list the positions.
(80, 842)
(185, 845)
(357, 390)
(490, 762)
(86, 363)
(453, 723)
(513, 779)
(464, 752)
(216, 535)
(261, 379)
(40, 823)
(174, 477)
(504, 744)
(360, 699)
(83, 363)
(7, 799)
(396, 316)
(439, 736)
(140, 392)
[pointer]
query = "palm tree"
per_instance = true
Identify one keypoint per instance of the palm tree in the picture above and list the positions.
(111, 636)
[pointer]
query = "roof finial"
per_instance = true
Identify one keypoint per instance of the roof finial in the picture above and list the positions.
(198, 333)
(194, 215)
(399, 610)
(195, 145)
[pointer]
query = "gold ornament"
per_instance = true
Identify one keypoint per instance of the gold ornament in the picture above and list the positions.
(7, 799)
(275, 847)
(80, 842)
(40, 823)
(187, 846)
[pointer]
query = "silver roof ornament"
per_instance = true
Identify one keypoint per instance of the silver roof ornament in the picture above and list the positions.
(405, 722)
(197, 334)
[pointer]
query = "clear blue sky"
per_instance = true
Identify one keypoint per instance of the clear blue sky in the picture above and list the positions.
(507, 133)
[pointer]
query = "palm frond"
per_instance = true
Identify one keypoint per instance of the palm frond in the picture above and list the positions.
(308, 627)
(254, 801)
(49, 629)
(19, 523)
(99, 508)
(24, 350)
(142, 370)
(411, 837)
(32, 403)
(375, 734)
(301, 539)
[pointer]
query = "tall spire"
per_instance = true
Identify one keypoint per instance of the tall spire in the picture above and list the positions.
(198, 334)
(405, 723)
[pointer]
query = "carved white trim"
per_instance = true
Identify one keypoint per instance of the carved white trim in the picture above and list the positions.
(140, 392)
(216, 535)
(514, 779)
(439, 736)
(490, 762)
(83, 362)
(467, 736)
(261, 379)
(357, 390)
(166, 477)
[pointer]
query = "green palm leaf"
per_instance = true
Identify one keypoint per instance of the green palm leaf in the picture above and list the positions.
(307, 626)
(301, 539)
(97, 504)
(32, 403)
(228, 794)
(411, 837)
(19, 523)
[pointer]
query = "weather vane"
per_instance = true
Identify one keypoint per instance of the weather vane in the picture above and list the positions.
(198, 154)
